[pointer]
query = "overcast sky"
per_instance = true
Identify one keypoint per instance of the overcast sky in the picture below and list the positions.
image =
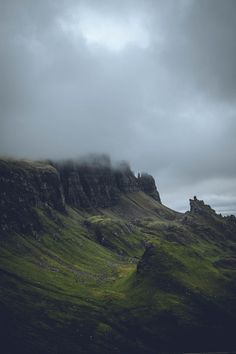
(152, 82)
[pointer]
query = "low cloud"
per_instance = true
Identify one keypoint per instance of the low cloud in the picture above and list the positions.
(151, 82)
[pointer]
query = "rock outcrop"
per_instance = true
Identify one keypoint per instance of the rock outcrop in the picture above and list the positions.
(204, 221)
(125, 179)
(145, 263)
(96, 183)
(88, 186)
(26, 185)
(157, 266)
(147, 184)
(199, 207)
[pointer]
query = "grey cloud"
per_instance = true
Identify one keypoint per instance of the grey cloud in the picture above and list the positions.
(201, 42)
(168, 107)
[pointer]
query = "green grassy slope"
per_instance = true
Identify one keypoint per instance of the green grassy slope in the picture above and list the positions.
(134, 278)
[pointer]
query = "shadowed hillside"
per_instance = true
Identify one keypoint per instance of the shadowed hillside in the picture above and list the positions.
(92, 262)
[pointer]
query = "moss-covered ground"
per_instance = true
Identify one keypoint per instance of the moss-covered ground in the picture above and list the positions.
(74, 288)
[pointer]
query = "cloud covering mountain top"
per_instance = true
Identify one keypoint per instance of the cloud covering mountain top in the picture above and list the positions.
(151, 82)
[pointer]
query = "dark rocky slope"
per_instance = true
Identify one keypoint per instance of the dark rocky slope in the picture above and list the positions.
(25, 185)
(91, 262)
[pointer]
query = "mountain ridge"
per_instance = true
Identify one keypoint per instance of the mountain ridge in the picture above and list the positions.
(27, 184)
(92, 262)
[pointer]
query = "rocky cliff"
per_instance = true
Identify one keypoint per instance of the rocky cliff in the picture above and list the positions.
(26, 185)
(88, 186)
(23, 187)
(147, 184)
(199, 207)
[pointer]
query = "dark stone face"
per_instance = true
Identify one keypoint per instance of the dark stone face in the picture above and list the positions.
(199, 207)
(25, 185)
(99, 185)
(147, 184)
(88, 186)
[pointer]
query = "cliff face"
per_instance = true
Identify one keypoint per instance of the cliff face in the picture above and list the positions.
(87, 186)
(125, 179)
(25, 185)
(91, 185)
(147, 184)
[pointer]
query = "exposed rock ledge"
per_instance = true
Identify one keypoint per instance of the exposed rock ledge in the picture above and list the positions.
(25, 185)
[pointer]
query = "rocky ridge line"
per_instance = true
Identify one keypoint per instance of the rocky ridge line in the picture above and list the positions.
(26, 185)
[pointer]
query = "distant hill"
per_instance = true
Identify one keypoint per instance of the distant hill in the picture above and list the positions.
(92, 262)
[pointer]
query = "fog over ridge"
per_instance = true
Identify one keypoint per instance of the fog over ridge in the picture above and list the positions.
(149, 82)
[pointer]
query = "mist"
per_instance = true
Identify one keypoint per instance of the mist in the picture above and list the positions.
(149, 82)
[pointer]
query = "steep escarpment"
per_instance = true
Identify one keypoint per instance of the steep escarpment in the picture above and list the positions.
(26, 185)
(98, 184)
(125, 179)
(88, 185)
(147, 184)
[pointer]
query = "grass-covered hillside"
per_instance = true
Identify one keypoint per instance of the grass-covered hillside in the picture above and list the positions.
(132, 277)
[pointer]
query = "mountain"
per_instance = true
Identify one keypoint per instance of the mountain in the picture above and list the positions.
(92, 262)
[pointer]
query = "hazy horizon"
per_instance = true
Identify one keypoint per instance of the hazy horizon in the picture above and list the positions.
(149, 82)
